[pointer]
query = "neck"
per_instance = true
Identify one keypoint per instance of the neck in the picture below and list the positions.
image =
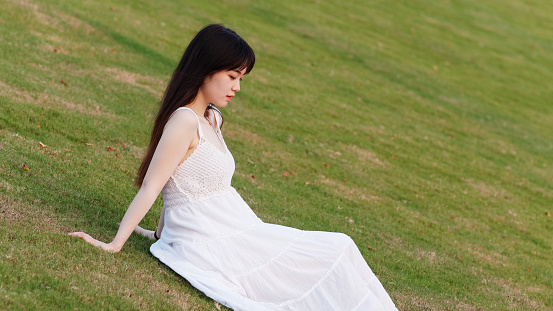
(199, 104)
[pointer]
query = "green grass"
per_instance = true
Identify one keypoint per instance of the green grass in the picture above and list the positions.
(433, 120)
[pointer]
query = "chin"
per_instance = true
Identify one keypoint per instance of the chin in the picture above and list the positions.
(221, 105)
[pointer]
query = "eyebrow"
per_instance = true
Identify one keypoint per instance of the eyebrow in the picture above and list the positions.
(238, 72)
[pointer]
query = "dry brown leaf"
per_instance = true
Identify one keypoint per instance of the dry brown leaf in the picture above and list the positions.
(110, 148)
(324, 163)
(63, 82)
(116, 155)
(252, 177)
(42, 145)
(292, 173)
(308, 183)
(370, 248)
(285, 174)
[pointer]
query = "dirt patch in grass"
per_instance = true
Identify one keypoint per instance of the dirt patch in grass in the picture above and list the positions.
(37, 12)
(176, 296)
(488, 190)
(367, 156)
(15, 213)
(347, 191)
(49, 100)
(14, 93)
(235, 132)
(487, 256)
(512, 294)
(430, 303)
(152, 85)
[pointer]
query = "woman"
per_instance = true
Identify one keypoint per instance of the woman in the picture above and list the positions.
(206, 232)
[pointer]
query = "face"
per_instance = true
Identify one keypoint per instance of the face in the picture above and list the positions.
(220, 88)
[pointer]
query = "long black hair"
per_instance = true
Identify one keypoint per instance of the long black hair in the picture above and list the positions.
(213, 49)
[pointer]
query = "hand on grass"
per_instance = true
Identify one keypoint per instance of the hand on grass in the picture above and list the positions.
(93, 241)
(147, 233)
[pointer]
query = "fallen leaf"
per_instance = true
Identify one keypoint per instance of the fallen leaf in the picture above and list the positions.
(344, 180)
(528, 268)
(89, 144)
(66, 149)
(63, 82)
(24, 167)
(116, 155)
(308, 183)
(292, 173)
(324, 163)
(114, 51)
(547, 214)
(110, 148)
(252, 177)
(285, 174)
(42, 145)
(459, 257)
(38, 125)
(370, 248)
(55, 50)
(351, 221)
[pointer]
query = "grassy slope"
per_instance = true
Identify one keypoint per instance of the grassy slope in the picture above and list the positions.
(432, 118)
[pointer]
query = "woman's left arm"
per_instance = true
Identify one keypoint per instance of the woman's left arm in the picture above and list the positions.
(173, 145)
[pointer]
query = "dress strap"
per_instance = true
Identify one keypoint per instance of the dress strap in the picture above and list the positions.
(200, 132)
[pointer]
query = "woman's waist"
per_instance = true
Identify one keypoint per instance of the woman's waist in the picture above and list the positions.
(176, 196)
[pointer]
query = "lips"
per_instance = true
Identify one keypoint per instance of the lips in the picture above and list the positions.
(230, 97)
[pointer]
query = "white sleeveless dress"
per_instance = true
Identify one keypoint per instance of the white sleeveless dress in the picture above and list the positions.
(214, 240)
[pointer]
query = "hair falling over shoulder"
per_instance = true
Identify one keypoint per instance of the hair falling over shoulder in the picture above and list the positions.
(214, 48)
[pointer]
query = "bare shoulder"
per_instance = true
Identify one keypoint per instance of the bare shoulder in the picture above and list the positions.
(182, 119)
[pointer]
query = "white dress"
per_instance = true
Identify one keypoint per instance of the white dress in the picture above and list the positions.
(213, 239)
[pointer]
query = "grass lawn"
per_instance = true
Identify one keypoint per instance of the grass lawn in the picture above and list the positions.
(422, 129)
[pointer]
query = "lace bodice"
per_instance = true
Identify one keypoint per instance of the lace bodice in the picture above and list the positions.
(205, 173)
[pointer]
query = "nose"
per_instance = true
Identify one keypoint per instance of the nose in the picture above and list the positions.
(236, 85)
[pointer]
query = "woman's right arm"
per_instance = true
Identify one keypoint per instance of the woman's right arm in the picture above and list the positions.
(178, 135)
